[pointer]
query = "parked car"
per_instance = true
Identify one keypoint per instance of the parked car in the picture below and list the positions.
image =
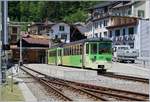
(123, 53)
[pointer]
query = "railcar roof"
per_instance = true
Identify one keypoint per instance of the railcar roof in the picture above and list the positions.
(88, 40)
(82, 41)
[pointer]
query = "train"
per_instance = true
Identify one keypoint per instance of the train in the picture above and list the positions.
(94, 53)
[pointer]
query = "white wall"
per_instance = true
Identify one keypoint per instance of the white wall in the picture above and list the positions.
(90, 33)
(147, 9)
(56, 30)
(139, 6)
(144, 37)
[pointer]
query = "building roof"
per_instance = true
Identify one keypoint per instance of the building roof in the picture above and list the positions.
(123, 4)
(82, 29)
(36, 41)
(102, 4)
(35, 23)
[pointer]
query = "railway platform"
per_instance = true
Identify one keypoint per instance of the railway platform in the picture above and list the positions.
(130, 69)
(64, 72)
(82, 74)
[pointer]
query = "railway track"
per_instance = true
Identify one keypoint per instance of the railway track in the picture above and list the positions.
(90, 92)
(125, 77)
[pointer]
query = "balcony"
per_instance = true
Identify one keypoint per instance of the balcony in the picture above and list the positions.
(118, 21)
(97, 15)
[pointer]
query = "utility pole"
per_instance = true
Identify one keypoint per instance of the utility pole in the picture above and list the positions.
(0, 41)
(4, 40)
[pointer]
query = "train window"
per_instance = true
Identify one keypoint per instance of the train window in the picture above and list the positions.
(64, 52)
(59, 52)
(70, 50)
(78, 49)
(74, 49)
(104, 48)
(93, 48)
(49, 53)
(81, 49)
(87, 48)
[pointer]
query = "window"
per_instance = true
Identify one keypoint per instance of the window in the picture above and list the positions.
(56, 36)
(105, 22)
(110, 34)
(117, 32)
(104, 48)
(129, 12)
(100, 34)
(13, 38)
(63, 36)
(14, 29)
(141, 13)
(61, 28)
(87, 48)
(96, 35)
(93, 48)
(100, 24)
(124, 32)
(131, 30)
(96, 25)
(105, 34)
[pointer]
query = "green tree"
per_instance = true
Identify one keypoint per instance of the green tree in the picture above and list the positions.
(53, 10)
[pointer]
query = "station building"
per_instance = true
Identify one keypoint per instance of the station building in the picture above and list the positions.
(33, 49)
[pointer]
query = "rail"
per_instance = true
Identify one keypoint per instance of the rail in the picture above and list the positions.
(125, 77)
(98, 92)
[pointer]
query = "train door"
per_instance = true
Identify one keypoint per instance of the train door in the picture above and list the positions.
(59, 57)
(83, 55)
(86, 54)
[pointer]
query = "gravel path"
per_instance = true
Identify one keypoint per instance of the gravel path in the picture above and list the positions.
(37, 89)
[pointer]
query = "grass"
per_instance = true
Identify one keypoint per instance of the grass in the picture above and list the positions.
(7, 93)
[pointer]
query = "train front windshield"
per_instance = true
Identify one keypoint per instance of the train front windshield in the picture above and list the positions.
(104, 47)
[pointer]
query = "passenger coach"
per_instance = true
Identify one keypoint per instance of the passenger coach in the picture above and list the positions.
(88, 53)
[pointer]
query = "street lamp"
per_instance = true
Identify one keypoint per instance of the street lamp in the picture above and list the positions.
(20, 60)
